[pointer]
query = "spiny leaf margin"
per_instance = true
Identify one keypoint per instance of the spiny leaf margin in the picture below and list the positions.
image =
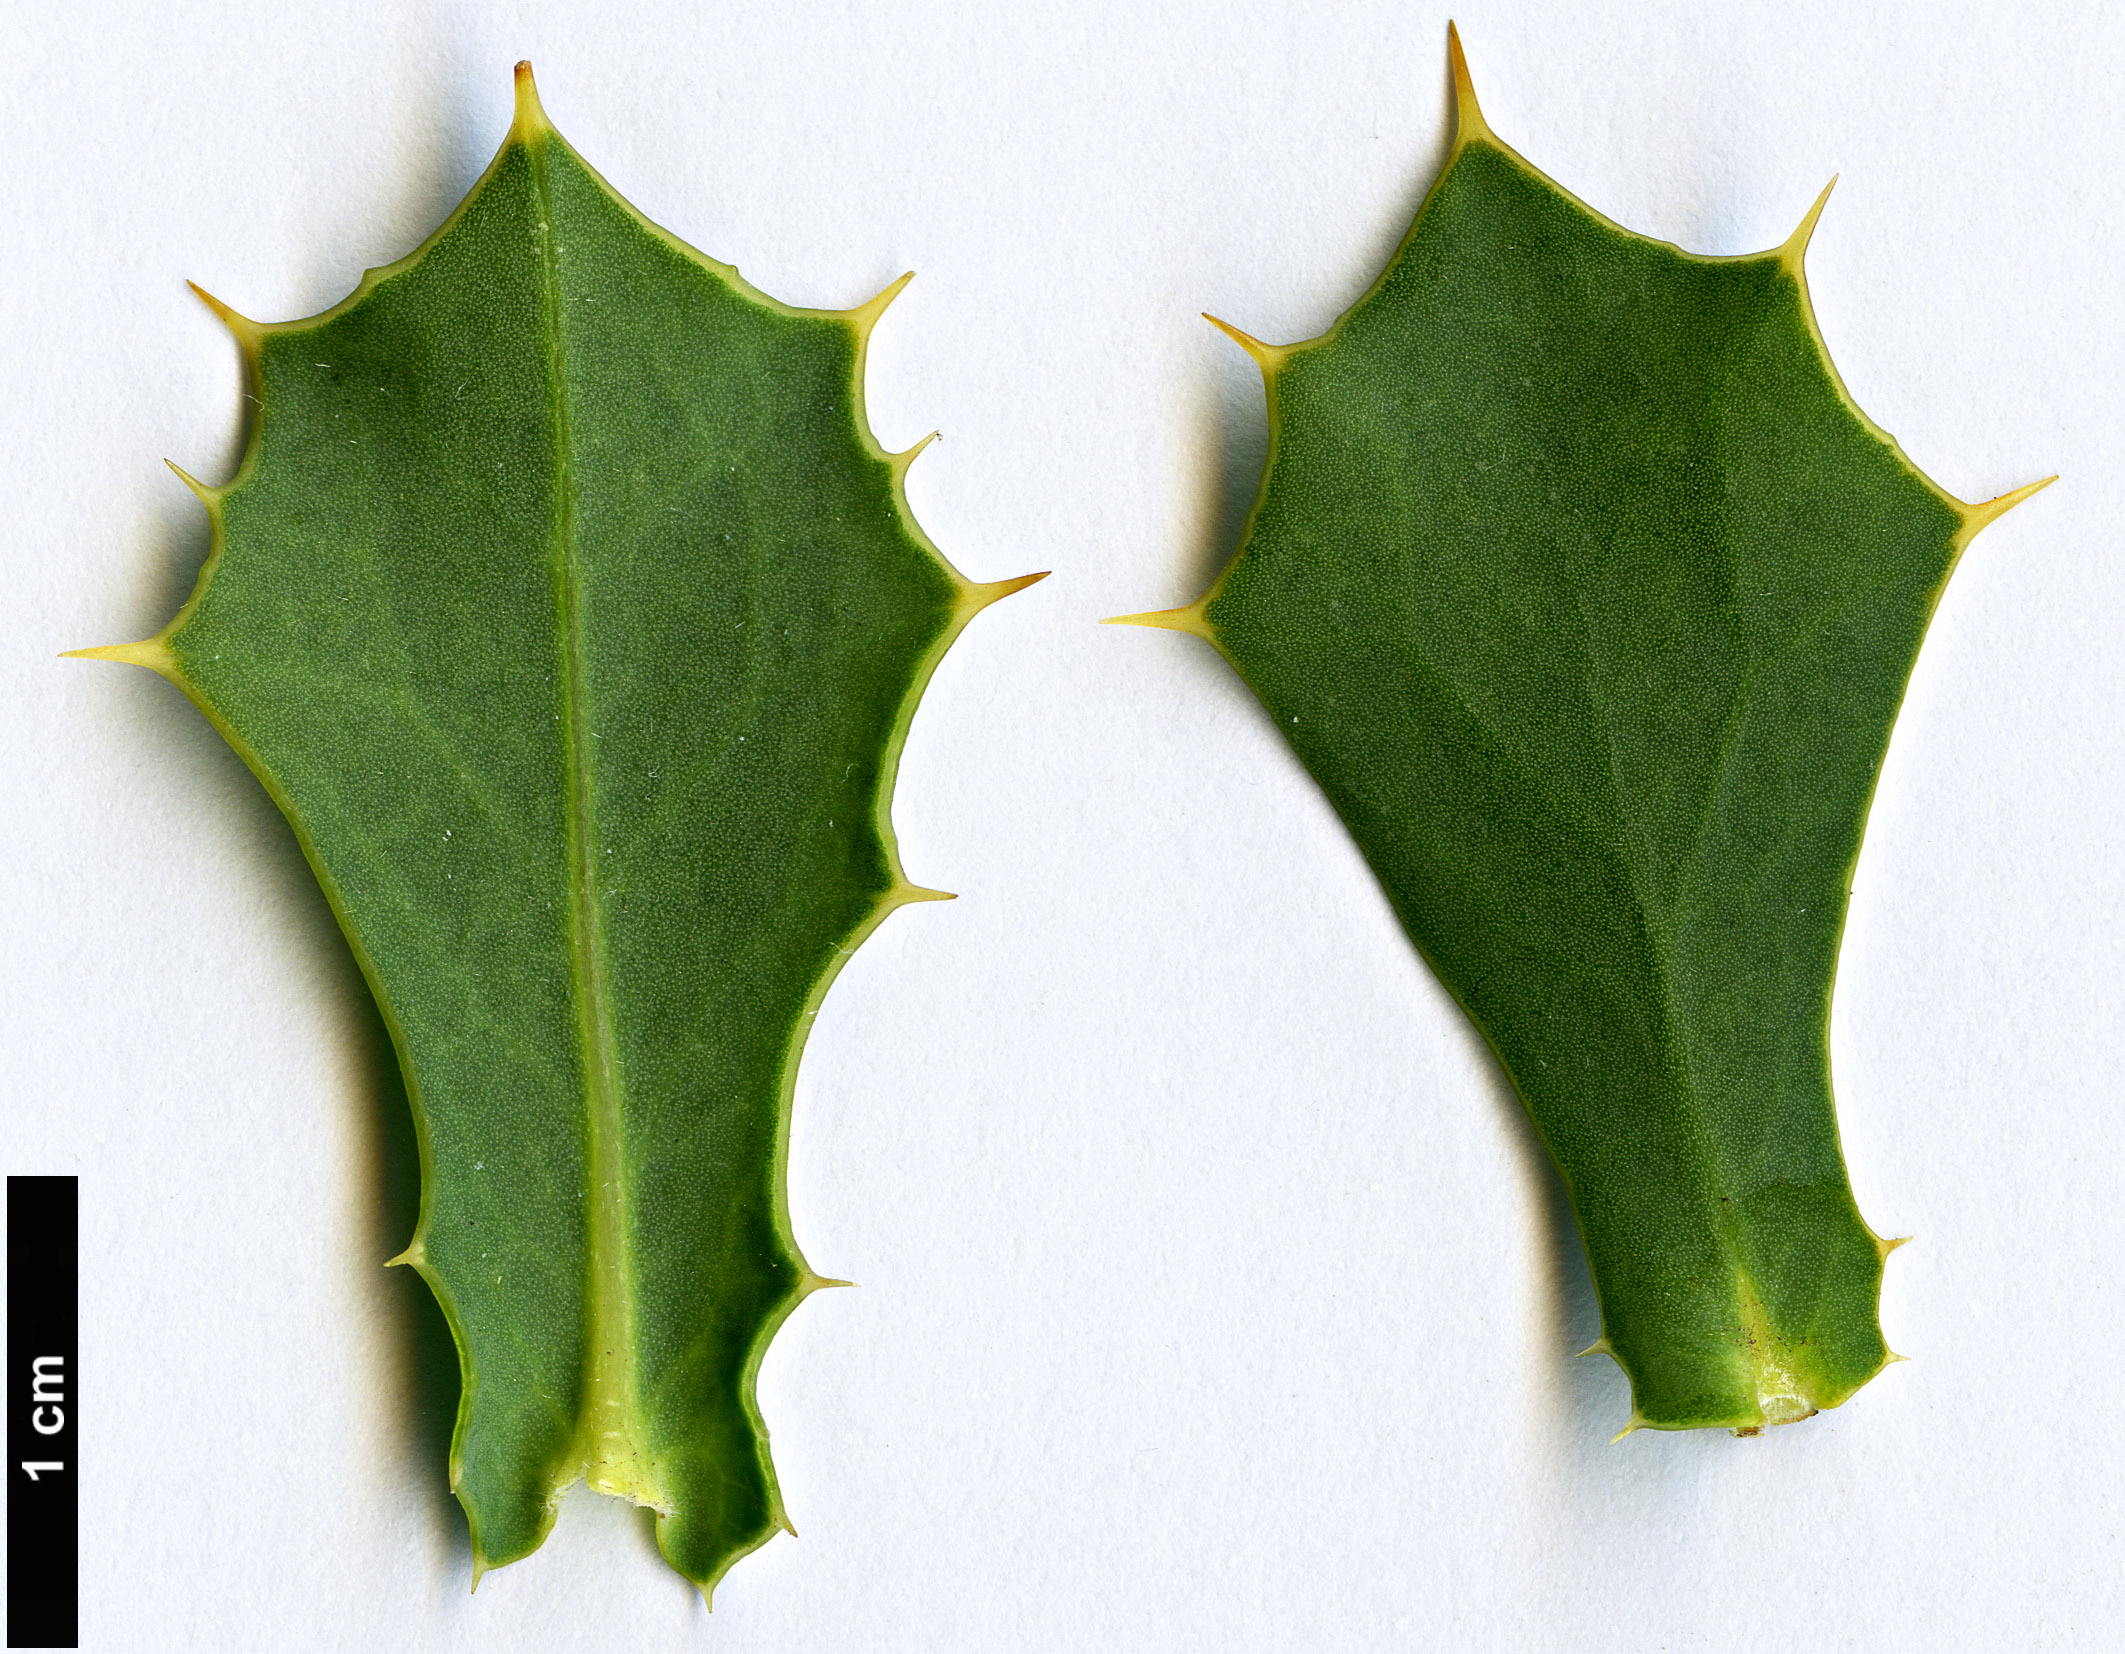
(1765, 1350)
(530, 126)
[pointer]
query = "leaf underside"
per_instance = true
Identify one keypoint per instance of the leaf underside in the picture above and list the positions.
(1587, 596)
(568, 608)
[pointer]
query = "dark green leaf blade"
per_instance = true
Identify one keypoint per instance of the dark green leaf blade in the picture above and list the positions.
(1587, 596)
(567, 606)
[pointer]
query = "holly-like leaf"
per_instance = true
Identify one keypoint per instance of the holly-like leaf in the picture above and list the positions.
(1588, 597)
(566, 605)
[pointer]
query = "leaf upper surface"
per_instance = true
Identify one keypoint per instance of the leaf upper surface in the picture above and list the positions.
(568, 608)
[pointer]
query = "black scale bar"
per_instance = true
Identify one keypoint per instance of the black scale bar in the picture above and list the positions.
(43, 1355)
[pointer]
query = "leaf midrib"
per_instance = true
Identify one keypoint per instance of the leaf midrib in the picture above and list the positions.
(605, 1446)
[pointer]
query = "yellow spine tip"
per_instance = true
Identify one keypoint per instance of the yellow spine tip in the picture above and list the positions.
(1268, 358)
(531, 121)
(1981, 516)
(975, 598)
(1885, 1244)
(208, 497)
(906, 457)
(1469, 123)
(149, 652)
(1795, 251)
(249, 334)
(1188, 620)
(413, 1255)
(903, 893)
(1890, 1358)
(1599, 1346)
(865, 316)
(1637, 1424)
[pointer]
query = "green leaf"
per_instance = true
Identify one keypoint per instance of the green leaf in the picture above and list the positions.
(568, 608)
(1588, 597)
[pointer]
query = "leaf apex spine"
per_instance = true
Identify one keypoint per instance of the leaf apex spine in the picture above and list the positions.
(1268, 358)
(1469, 123)
(530, 121)
(904, 893)
(249, 334)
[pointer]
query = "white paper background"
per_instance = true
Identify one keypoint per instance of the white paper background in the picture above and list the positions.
(1213, 1294)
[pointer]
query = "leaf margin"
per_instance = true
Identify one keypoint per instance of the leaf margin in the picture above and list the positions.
(530, 125)
(1472, 129)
